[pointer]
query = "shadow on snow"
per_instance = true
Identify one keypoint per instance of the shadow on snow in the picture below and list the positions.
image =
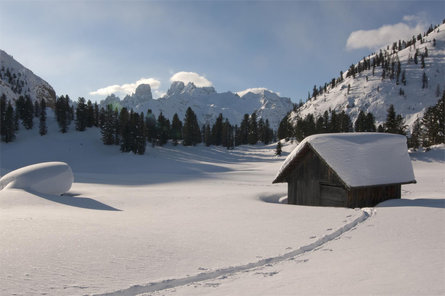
(421, 202)
(72, 199)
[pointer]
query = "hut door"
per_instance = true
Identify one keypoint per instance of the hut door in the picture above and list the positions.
(332, 195)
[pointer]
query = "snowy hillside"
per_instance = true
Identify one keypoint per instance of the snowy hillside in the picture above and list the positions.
(370, 93)
(207, 103)
(16, 80)
(207, 221)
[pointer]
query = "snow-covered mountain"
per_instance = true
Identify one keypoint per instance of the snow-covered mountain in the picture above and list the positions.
(17, 80)
(207, 103)
(370, 93)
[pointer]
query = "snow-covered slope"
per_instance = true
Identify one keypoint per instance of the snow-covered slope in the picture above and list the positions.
(207, 103)
(370, 93)
(205, 221)
(17, 80)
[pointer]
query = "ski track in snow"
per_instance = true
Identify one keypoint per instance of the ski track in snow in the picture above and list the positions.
(224, 272)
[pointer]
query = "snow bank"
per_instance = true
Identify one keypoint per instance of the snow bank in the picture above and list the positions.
(47, 178)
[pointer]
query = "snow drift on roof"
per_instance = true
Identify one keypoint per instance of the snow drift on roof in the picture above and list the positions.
(359, 159)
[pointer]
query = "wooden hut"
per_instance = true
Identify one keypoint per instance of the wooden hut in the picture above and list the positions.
(347, 170)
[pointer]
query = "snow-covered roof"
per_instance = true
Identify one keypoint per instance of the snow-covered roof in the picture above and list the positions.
(359, 159)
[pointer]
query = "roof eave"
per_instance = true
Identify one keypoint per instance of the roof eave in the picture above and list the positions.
(386, 184)
(281, 178)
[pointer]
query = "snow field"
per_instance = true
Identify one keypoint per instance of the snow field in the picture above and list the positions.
(180, 213)
(132, 220)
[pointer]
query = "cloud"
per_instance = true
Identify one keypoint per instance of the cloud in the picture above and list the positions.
(186, 77)
(127, 88)
(385, 35)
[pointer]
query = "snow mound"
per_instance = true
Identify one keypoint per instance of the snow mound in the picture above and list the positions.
(47, 178)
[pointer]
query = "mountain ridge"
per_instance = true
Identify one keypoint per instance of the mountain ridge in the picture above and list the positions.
(206, 103)
(16, 80)
(372, 91)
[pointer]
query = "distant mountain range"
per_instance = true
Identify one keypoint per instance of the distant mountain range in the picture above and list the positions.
(399, 80)
(371, 91)
(207, 103)
(16, 80)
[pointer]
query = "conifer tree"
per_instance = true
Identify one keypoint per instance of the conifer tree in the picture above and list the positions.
(42, 119)
(63, 113)
(334, 124)
(163, 127)
(81, 115)
(150, 126)
(96, 115)
(394, 122)
(36, 109)
(116, 127)
(309, 125)
(176, 129)
(284, 128)
(345, 122)
(207, 135)
(359, 125)
(433, 122)
(268, 134)
(299, 130)
(2, 114)
(90, 116)
(191, 131)
(126, 130)
(9, 125)
(261, 130)
(319, 124)
(253, 130)
(28, 113)
(139, 133)
(101, 117)
(244, 130)
(108, 126)
(325, 122)
(440, 111)
(16, 119)
(278, 149)
(415, 139)
(20, 107)
(227, 135)
(370, 123)
(217, 131)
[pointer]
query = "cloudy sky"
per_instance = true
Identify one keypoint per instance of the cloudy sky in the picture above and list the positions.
(93, 48)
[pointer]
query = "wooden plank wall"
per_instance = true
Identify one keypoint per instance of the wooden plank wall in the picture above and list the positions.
(371, 196)
(304, 182)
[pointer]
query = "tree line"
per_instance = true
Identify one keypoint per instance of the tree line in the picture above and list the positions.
(427, 131)
(391, 67)
(24, 112)
(131, 130)
(430, 129)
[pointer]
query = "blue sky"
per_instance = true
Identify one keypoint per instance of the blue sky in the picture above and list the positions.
(91, 48)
